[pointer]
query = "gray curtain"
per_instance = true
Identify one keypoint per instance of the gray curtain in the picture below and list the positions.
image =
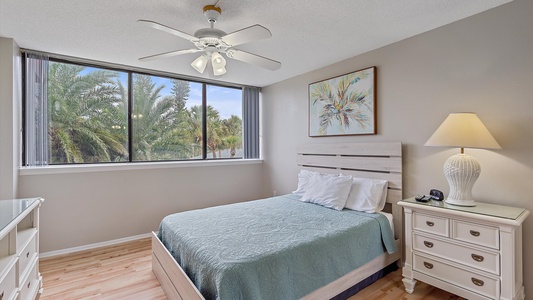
(250, 100)
(36, 106)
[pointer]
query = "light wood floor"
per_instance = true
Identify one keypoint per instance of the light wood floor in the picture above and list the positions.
(116, 272)
(125, 272)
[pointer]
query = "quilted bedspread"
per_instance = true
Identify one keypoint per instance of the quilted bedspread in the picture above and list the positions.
(275, 248)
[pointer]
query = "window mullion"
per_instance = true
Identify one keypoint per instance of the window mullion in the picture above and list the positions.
(130, 123)
(204, 121)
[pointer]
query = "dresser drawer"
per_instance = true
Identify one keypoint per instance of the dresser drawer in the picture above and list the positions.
(483, 285)
(8, 284)
(431, 224)
(476, 234)
(26, 255)
(475, 258)
(30, 286)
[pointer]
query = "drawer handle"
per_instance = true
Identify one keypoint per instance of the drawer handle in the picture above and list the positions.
(430, 266)
(28, 254)
(429, 244)
(474, 233)
(2, 295)
(477, 258)
(30, 282)
(477, 282)
(430, 224)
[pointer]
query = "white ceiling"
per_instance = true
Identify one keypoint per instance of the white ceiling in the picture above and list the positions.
(306, 35)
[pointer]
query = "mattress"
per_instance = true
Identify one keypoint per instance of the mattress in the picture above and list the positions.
(275, 248)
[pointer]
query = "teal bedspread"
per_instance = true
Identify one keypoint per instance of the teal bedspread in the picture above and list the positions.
(275, 248)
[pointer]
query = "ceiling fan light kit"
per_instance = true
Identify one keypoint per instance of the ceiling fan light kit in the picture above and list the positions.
(217, 60)
(214, 41)
(219, 71)
(200, 63)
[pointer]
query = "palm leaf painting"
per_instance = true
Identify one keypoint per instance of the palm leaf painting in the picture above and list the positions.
(344, 105)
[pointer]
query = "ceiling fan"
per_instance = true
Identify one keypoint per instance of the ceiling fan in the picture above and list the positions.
(212, 42)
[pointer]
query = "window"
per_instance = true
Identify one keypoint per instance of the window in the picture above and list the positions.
(76, 113)
(87, 109)
(224, 122)
(162, 127)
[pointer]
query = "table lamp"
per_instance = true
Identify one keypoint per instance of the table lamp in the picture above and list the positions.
(462, 130)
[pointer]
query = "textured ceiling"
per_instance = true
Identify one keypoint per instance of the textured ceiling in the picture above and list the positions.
(306, 35)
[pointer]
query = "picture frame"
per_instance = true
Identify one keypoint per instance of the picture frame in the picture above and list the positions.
(343, 105)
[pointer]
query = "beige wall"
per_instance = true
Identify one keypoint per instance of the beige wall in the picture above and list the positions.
(94, 207)
(10, 99)
(482, 64)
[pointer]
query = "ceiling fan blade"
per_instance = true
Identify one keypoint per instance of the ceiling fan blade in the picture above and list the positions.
(169, 54)
(167, 29)
(245, 35)
(253, 59)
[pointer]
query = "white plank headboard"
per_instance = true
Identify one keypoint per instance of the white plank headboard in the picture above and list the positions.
(379, 160)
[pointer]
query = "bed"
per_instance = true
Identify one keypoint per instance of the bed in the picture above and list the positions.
(364, 160)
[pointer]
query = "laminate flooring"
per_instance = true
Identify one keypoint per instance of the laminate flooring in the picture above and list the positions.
(124, 271)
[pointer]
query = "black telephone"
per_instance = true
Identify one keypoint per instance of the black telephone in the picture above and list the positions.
(436, 194)
(423, 198)
(433, 194)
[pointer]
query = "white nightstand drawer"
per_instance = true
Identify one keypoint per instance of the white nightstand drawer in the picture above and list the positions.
(474, 282)
(430, 224)
(476, 234)
(8, 284)
(26, 255)
(28, 289)
(479, 259)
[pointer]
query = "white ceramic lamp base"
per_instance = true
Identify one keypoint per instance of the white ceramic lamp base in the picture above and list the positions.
(461, 171)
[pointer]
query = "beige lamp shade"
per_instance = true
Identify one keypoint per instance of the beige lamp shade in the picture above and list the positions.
(463, 130)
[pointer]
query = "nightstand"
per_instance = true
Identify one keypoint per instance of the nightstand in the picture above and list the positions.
(473, 252)
(19, 249)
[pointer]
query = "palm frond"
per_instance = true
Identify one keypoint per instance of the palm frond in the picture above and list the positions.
(322, 92)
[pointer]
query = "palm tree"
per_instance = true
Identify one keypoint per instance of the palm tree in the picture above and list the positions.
(214, 128)
(158, 131)
(232, 130)
(83, 104)
(176, 144)
(195, 120)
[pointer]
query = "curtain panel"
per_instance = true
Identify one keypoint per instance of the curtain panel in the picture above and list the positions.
(250, 99)
(36, 110)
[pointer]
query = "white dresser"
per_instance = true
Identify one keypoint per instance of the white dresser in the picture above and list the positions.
(19, 249)
(473, 252)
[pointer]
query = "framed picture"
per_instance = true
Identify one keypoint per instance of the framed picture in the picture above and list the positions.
(343, 105)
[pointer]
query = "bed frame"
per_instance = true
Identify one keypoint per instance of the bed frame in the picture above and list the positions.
(382, 160)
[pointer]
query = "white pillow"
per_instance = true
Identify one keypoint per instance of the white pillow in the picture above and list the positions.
(367, 195)
(303, 181)
(327, 190)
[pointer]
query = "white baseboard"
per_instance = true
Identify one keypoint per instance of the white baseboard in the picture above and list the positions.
(93, 246)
